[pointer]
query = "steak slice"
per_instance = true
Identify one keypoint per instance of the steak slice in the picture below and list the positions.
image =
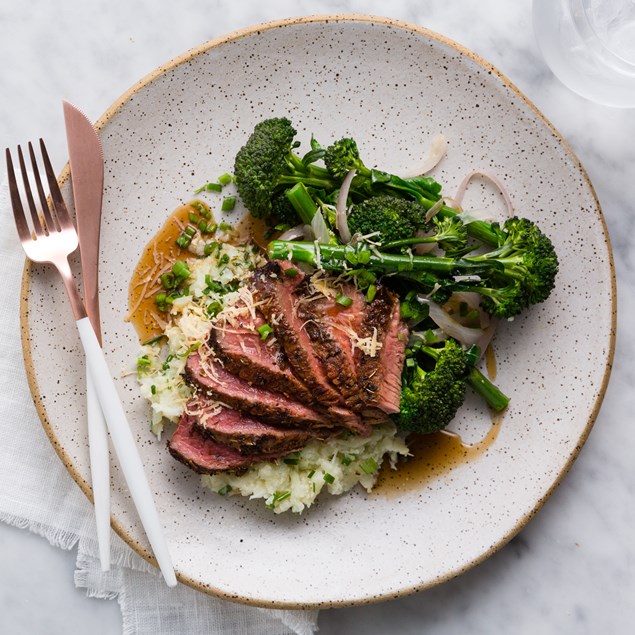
(260, 362)
(241, 432)
(205, 456)
(380, 375)
(277, 294)
(332, 329)
(274, 408)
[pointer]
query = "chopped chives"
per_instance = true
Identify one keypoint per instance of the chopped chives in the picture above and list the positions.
(214, 308)
(180, 270)
(371, 292)
(202, 210)
(346, 459)
(168, 280)
(153, 340)
(166, 363)
(143, 361)
(190, 349)
(203, 226)
(311, 473)
(344, 300)
(193, 218)
(228, 204)
(329, 478)
(160, 300)
(209, 248)
(351, 257)
(223, 491)
(225, 227)
(225, 179)
(291, 272)
(280, 496)
(363, 257)
(153, 389)
(209, 187)
(369, 465)
(293, 459)
(185, 238)
(265, 331)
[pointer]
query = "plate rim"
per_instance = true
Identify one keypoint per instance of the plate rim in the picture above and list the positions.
(232, 37)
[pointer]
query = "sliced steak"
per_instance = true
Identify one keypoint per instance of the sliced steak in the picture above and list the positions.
(277, 294)
(205, 456)
(332, 329)
(380, 374)
(242, 432)
(274, 408)
(260, 362)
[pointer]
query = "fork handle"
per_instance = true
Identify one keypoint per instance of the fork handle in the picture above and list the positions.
(125, 448)
(99, 471)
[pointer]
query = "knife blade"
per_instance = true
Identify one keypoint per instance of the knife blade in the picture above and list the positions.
(87, 178)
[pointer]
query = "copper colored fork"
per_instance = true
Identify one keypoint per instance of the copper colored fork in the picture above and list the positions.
(51, 238)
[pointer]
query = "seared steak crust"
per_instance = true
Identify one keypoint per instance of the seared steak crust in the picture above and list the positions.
(380, 375)
(331, 327)
(242, 432)
(262, 363)
(277, 294)
(205, 456)
(212, 379)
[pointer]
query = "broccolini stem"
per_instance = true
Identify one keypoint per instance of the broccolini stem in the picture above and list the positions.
(492, 395)
(476, 229)
(302, 202)
(336, 257)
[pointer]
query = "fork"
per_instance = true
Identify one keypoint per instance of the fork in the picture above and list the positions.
(51, 239)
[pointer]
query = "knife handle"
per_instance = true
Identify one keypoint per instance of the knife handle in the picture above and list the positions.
(99, 471)
(125, 448)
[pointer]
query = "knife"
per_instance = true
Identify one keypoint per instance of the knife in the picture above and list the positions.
(87, 177)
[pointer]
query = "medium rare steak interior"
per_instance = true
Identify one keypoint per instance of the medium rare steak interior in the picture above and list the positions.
(321, 368)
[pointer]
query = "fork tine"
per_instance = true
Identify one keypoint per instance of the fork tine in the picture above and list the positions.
(50, 221)
(16, 203)
(59, 205)
(40, 228)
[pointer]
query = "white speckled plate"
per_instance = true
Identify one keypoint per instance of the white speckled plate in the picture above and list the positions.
(393, 86)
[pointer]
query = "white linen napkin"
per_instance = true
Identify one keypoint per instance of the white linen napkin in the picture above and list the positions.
(63, 515)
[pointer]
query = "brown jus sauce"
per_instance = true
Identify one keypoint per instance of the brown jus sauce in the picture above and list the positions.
(156, 258)
(433, 455)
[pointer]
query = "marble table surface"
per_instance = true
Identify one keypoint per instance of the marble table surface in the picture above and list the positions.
(572, 569)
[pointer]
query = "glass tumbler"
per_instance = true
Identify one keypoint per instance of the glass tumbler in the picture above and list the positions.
(590, 47)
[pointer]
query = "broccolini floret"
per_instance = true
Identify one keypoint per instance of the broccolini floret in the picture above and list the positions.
(267, 165)
(388, 218)
(394, 222)
(433, 387)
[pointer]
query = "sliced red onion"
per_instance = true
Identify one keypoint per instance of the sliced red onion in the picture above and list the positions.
(434, 210)
(473, 301)
(423, 248)
(488, 334)
(460, 193)
(319, 228)
(477, 214)
(449, 325)
(431, 158)
(293, 234)
(341, 212)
